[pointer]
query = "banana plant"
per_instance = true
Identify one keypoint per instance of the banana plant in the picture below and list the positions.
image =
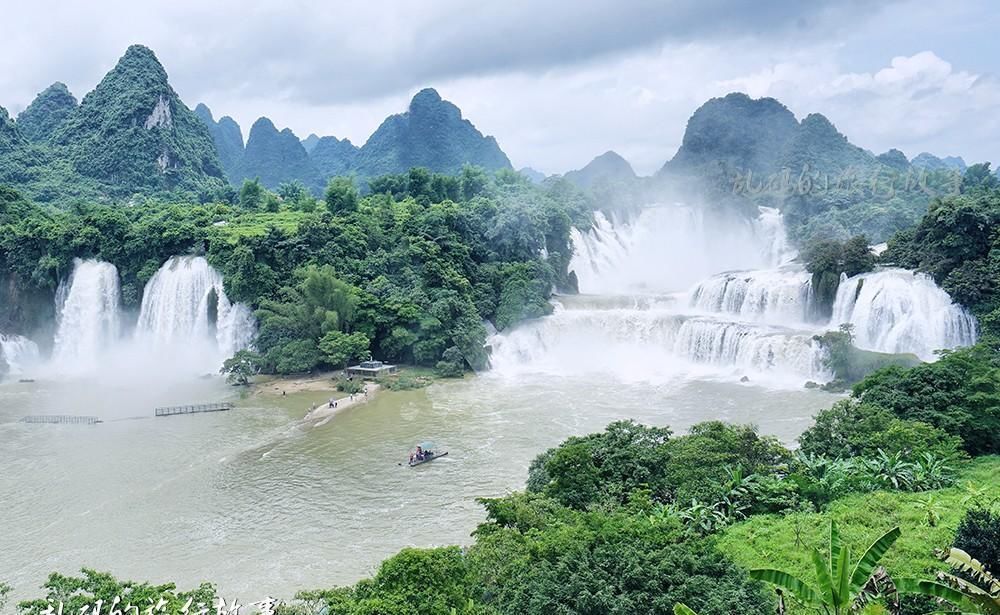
(843, 587)
(683, 609)
(981, 597)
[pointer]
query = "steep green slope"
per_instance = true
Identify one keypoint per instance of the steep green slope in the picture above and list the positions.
(739, 132)
(228, 139)
(431, 134)
(134, 134)
(333, 156)
(927, 520)
(609, 167)
(39, 121)
(277, 157)
(10, 137)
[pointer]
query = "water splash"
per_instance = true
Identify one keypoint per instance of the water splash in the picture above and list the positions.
(654, 343)
(88, 308)
(780, 296)
(895, 310)
(18, 355)
(668, 248)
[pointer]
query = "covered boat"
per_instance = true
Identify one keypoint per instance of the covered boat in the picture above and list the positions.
(426, 451)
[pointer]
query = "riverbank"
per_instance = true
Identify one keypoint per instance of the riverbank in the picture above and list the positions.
(336, 404)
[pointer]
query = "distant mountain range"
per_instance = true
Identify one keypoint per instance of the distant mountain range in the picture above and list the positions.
(132, 134)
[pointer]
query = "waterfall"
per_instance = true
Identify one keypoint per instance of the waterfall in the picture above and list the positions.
(650, 342)
(676, 290)
(780, 296)
(184, 304)
(88, 315)
(896, 310)
(669, 247)
(17, 355)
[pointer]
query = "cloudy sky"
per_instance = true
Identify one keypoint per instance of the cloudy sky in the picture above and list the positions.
(556, 82)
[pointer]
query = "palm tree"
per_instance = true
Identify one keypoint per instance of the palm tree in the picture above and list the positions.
(843, 588)
(967, 595)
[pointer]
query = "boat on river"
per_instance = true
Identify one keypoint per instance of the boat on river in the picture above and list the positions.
(426, 451)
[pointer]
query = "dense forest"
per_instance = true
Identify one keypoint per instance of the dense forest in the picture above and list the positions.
(409, 273)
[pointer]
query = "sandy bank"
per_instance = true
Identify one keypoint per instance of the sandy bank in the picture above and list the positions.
(342, 401)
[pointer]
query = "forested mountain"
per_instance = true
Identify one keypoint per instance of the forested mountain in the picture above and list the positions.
(534, 175)
(133, 133)
(609, 167)
(310, 142)
(228, 139)
(930, 162)
(750, 152)
(10, 136)
(39, 120)
(277, 157)
(738, 132)
(430, 134)
(333, 156)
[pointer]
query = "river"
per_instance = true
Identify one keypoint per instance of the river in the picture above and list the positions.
(258, 503)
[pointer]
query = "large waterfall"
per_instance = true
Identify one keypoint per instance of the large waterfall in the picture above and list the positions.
(670, 247)
(184, 305)
(674, 290)
(186, 324)
(88, 307)
(896, 310)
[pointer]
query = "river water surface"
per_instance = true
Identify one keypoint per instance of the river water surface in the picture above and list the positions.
(261, 504)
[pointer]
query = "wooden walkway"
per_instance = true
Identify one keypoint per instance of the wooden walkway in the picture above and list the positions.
(62, 419)
(193, 409)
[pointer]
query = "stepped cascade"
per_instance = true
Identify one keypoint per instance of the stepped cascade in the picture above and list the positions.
(185, 303)
(88, 307)
(18, 354)
(675, 290)
(896, 310)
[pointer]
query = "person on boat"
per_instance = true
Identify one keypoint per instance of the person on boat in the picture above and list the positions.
(420, 454)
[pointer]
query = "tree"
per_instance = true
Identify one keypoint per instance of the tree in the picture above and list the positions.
(853, 428)
(241, 367)
(252, 194)
(78, 594)
(452, 363)
(843, 588)
(575, 480)
(979, 533)
(340, 348)
(341, 196)
(981, 595)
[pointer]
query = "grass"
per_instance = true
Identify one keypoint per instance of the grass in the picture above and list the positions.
(785, 542)
(256, 224)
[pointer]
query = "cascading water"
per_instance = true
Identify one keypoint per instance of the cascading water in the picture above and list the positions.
(178, 306)
(779, 296)
(18, 355)
(641, 324)
(896, 310)
(667, 248)
(88, 315)
(759, 323)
